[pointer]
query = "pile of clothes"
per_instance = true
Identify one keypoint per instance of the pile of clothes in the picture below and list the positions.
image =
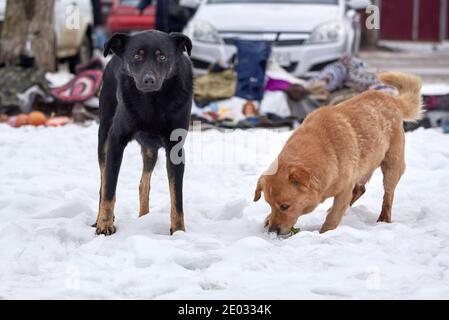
(29, 96)
(347, 78)
(233, 97)
(252, 90)
(257, 92)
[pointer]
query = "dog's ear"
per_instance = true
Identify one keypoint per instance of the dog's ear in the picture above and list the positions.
(116, 44)
(300, 176)
(258, 191)
(182, 42)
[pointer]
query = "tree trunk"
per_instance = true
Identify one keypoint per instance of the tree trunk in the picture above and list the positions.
(29, 20)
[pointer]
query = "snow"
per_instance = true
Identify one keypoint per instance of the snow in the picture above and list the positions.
(435, 89)
(416, 46)
(48, 199)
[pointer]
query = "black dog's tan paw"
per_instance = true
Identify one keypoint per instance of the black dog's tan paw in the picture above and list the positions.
(106, 228)
(177, 228)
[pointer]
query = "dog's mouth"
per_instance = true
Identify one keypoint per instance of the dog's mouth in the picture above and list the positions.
(280, 234)
(279, 231)
(148, 89)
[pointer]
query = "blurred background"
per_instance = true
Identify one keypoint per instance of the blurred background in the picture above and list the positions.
(256, 62)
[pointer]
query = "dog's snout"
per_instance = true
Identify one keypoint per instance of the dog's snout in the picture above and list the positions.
(149, 80)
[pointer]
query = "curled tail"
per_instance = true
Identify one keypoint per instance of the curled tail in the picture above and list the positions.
(409, 88)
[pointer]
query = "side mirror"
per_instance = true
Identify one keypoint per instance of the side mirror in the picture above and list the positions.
(357, 4)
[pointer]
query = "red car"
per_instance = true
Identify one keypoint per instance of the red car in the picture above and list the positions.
(125, 17)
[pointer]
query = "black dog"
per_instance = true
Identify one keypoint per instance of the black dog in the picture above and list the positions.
(146, 95)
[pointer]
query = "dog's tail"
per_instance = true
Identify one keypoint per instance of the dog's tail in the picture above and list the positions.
(409, 88)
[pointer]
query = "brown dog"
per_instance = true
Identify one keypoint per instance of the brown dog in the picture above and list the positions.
(335, 152)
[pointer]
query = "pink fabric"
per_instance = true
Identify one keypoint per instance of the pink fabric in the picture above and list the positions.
(84, 86)
(277, 85)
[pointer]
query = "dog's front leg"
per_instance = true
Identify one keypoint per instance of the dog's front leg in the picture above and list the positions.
(338, 209)
(109, 175)
(175, 171)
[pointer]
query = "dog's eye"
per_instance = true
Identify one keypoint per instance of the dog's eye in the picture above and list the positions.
(139, 55)
(161, 57)
(284, 206)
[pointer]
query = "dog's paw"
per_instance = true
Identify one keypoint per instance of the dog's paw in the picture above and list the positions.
(106, 228)
(383, 218)
(173, 230)
(327, 227)
(143, 213)
(178, 226)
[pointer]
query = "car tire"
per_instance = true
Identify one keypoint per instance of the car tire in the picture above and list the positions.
(84, 54)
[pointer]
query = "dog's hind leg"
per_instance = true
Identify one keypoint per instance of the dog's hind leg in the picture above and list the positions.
(357, 192)
(393, 166)
(149, 156)
(339, 207)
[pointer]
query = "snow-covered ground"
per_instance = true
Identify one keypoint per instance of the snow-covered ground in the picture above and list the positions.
(48, 200)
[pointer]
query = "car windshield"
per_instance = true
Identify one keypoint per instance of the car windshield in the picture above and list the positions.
(277, 1)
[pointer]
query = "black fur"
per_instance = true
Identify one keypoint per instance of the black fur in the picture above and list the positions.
(144, 97)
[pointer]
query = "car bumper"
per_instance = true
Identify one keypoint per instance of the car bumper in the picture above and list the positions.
(298, 59)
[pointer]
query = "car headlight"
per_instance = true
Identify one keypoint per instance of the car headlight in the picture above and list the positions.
(203, 31)
(327, 32)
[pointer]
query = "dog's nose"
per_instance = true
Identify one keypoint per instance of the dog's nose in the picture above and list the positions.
(273, 228)
(149, 80)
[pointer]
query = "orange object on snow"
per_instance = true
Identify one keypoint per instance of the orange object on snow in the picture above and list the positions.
(37, 118)
(21, 120)
(57, 121)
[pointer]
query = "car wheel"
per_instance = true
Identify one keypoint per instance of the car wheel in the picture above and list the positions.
(84, 54)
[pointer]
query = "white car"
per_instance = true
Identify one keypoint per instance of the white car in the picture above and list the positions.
(305, 34)
(73, 39)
